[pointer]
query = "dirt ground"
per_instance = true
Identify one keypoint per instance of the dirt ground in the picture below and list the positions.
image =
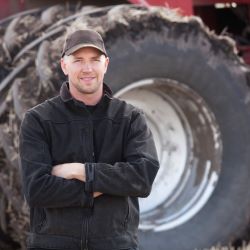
(244, 247)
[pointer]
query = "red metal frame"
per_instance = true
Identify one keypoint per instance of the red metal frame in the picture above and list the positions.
(9, 7)
(212, 2)
(185, 6)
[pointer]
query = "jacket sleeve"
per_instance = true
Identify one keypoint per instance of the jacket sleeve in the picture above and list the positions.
(41, 189)
(135, 175)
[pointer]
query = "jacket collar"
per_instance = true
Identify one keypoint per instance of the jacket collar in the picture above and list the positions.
(66, 95)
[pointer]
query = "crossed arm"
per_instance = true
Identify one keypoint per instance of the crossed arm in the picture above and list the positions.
(70, 184)
(73, 170)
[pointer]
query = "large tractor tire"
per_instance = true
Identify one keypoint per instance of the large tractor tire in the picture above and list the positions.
(194, 91)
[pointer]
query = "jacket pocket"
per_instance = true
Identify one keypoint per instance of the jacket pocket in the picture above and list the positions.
(62, 221)
(110, 217)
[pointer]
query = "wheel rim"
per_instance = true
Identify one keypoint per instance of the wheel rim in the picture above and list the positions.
(188, 143)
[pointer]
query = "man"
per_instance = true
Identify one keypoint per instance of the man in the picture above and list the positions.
(85, 158)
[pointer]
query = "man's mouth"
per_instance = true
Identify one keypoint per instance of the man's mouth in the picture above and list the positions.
(87, 79)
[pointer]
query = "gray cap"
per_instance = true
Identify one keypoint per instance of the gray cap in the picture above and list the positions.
(81, 39)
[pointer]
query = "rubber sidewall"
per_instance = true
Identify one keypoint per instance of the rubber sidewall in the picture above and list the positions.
(222, 85)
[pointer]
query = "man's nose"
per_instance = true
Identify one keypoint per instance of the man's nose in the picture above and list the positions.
(86, 67)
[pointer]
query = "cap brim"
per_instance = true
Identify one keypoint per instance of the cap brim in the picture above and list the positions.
(83, 45)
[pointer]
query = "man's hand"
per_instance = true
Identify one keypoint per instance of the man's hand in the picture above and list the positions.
(96, 194)
(72, 171)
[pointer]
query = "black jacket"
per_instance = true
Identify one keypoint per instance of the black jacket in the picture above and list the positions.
(117, 148)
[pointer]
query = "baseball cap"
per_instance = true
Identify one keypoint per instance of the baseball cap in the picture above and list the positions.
(83, 38)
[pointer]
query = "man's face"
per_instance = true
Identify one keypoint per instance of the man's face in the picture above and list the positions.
(85, 69)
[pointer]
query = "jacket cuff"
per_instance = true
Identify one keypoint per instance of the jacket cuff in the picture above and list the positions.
(89, 172)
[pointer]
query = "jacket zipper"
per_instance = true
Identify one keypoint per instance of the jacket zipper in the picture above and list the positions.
(84, 241)
(87, 232)
(83, 222)
(87, 218)
(83, 217)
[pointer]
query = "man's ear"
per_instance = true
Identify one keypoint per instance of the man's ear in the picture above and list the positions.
(106, 63)
(64, 66)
